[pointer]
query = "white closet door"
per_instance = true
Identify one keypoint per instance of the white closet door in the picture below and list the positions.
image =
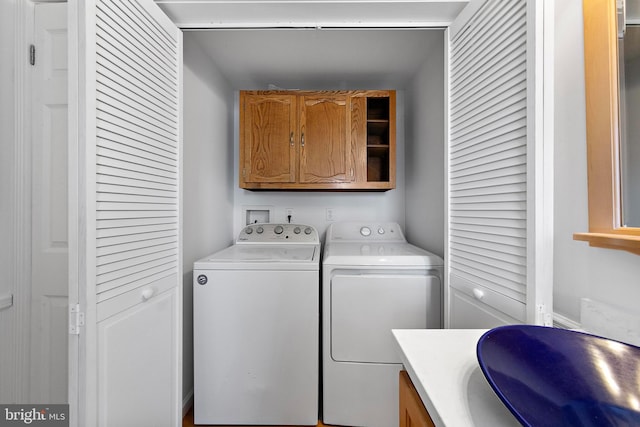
(128, 254)
(495, 197)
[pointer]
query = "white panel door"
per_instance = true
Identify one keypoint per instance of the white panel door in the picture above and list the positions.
(49, 259)
(498, 207)
(127, 274)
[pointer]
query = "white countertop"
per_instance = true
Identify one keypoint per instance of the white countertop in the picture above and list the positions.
(443, 367)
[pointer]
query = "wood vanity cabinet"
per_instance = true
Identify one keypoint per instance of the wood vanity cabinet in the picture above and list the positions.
(323, 140)
(412, 410)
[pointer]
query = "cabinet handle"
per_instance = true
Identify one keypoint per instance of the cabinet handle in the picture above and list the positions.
(147, 294)
(291, 139)
(302, 139)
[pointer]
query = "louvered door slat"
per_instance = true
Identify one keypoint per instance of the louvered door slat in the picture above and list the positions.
(153, 29)
(116, 32)
(488, 150)
(111, 54)
(495, 247)
(111, 241)
(472, 146)
(122, 225)
(133, 230)
(106, 188)
(141, 139)
(475, 46)
(114, 170)
(147, 276)
(129, 26)
(118, 143)
(137, 169)
(147, 161)
(113, 67)
(500, 81)
(140, 260)
(145, 170)
(144, 110)
(114, 107)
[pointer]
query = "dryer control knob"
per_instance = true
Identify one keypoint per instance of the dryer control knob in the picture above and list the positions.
(365, 231)
(278, 229)
(308, 230)
(297, 230)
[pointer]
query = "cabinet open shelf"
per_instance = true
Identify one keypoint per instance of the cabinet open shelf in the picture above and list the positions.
(378, 166)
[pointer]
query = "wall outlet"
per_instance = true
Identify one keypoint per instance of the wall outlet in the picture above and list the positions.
(329, 214)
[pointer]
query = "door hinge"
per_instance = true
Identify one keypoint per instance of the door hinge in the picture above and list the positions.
(76, 319)
(32, 54)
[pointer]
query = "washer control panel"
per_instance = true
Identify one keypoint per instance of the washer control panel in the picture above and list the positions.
(278, 233)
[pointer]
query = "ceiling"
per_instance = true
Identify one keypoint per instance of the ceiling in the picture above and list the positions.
(319, 58)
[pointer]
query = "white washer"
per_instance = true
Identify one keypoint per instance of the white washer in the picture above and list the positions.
(372, 281)
(256, 329)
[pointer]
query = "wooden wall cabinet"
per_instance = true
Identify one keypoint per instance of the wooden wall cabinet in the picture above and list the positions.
(412, 410)
(317, 140)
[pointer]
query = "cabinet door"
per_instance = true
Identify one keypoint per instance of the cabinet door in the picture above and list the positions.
(412, 410)
(324, 144)
(268, 135)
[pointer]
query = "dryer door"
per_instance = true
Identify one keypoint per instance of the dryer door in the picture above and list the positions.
(365, 307)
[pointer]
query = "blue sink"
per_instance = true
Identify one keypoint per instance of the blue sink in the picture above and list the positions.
(556, 377)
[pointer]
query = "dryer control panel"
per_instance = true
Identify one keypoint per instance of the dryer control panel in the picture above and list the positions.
(278, 233)
(364, 231)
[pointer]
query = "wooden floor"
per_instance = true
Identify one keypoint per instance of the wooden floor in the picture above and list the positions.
(188, 422)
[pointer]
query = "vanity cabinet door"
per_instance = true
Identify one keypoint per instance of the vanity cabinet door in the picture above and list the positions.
(412, 410)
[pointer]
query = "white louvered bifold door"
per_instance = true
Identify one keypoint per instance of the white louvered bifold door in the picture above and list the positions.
(131, 57)
(490, 129)
(137, 151)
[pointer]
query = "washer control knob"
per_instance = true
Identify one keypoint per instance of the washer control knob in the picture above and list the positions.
(278, 229)
(248, 230)
(259, 230)
(297, 230)
(308, 230)
(380, 230)
(365, 231)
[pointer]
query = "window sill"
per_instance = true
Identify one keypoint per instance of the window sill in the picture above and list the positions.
(626, 242)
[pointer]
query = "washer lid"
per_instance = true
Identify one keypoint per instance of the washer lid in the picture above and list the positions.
(263, 254)
(378, 254)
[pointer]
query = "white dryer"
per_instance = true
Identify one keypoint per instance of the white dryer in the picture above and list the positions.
(372, 281)
(256, 328)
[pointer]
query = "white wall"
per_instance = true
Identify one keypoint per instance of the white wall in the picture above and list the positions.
(208, 182)
(610, 276)
(7, 278)
(309, 207)
(424, 153)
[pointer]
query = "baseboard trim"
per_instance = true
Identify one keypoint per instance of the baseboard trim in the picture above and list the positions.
(560, 321)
